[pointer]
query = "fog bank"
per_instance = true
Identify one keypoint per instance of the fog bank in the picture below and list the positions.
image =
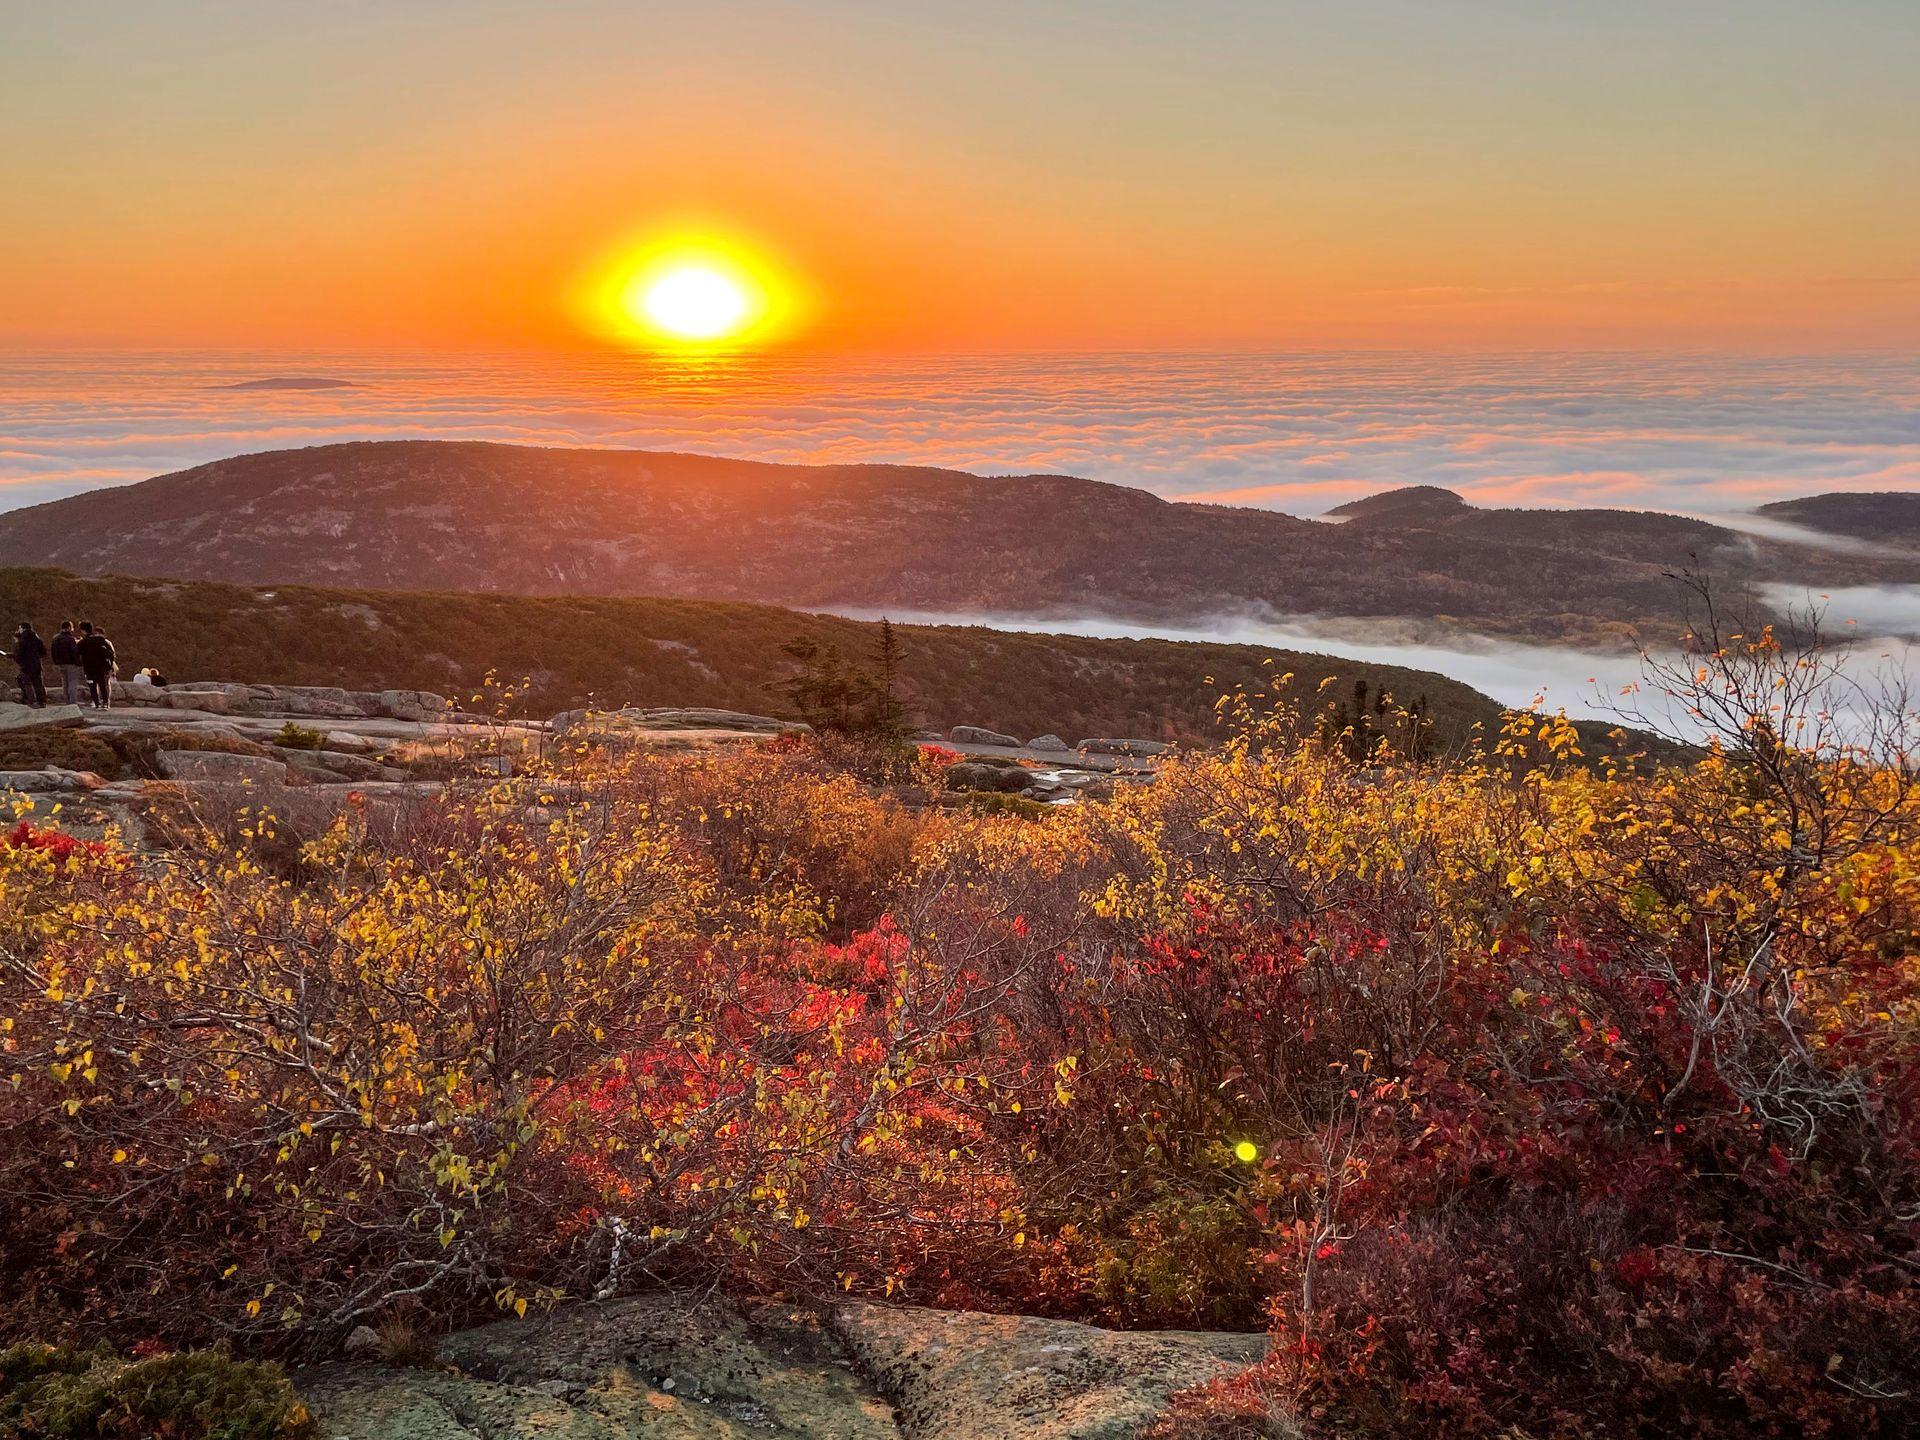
(1587, 685)
(1850, 610)
(1514, 674)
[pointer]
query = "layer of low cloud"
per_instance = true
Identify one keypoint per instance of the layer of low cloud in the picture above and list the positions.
(1769, 528)
(1704, 435)
(1582, 683)
(1616, 687)
(1844, 611)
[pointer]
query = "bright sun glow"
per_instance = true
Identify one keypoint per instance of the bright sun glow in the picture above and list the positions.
(698, 289)
(695, 302)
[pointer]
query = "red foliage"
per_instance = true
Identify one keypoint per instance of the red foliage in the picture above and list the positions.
(1514, 1163)
(56, 843)
(1511, 1210)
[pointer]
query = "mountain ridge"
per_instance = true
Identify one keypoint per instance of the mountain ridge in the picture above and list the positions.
(471, 515)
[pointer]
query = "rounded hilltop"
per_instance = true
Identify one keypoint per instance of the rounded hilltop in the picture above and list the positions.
(1409, 502)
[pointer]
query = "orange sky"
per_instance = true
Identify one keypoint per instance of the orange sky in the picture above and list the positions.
(980, 176)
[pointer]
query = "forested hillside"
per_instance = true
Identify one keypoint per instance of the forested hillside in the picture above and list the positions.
(572, 650)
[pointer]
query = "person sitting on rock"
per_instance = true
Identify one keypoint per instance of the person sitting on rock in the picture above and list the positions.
(152, 676)
(96, 658)
(65, 654)
(29, 650)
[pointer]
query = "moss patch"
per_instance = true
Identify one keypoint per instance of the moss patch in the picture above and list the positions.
(50, 1392)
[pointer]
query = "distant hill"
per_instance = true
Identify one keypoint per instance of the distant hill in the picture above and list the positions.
(572, 650)
(1886, 517)
(1626, 536)
(1407, 503)
(289, 382)
(471, 516)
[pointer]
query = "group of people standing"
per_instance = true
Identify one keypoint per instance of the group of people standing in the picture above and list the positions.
(83, 655)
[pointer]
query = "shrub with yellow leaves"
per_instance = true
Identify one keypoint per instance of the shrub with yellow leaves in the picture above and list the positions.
(1523, 1092)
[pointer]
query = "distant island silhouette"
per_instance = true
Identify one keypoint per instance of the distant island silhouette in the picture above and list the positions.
(289, 382)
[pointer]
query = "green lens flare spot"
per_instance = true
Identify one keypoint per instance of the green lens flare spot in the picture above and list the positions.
(1246, 1152)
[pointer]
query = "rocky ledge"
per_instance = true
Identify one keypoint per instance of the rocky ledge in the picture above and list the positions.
(306, 753)
(309, 702)
(664, 1366)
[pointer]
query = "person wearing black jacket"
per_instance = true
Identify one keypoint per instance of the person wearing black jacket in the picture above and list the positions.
(29, 650)
(96, 658)
(65, 654)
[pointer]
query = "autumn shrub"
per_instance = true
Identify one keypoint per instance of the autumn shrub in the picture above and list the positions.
(1579, 1103)
(1243, 1406)
(883, 759)
(933, 761)
(796, 841)
(44, 840)
(1519, 1095)
(996, 802)
(492, 1061)
(1184, 1258)
(249, 1103)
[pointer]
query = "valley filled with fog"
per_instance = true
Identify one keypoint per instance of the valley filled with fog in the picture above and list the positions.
(1871, 624)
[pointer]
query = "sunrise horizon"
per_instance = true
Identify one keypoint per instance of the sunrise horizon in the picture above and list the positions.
(1505, 177)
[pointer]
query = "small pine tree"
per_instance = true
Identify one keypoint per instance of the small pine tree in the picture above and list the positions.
(1418, 744)
(1359, 727)
(823, 691)
(885, 714)
(1349, 726)
(830, 694)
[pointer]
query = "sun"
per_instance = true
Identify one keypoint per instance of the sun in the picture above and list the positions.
(696, 288)
(694, 302)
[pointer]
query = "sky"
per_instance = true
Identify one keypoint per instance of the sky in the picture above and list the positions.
(937, 178)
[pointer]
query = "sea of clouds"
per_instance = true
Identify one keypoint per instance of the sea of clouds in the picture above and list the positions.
(1710, 435)
(1301, 433)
